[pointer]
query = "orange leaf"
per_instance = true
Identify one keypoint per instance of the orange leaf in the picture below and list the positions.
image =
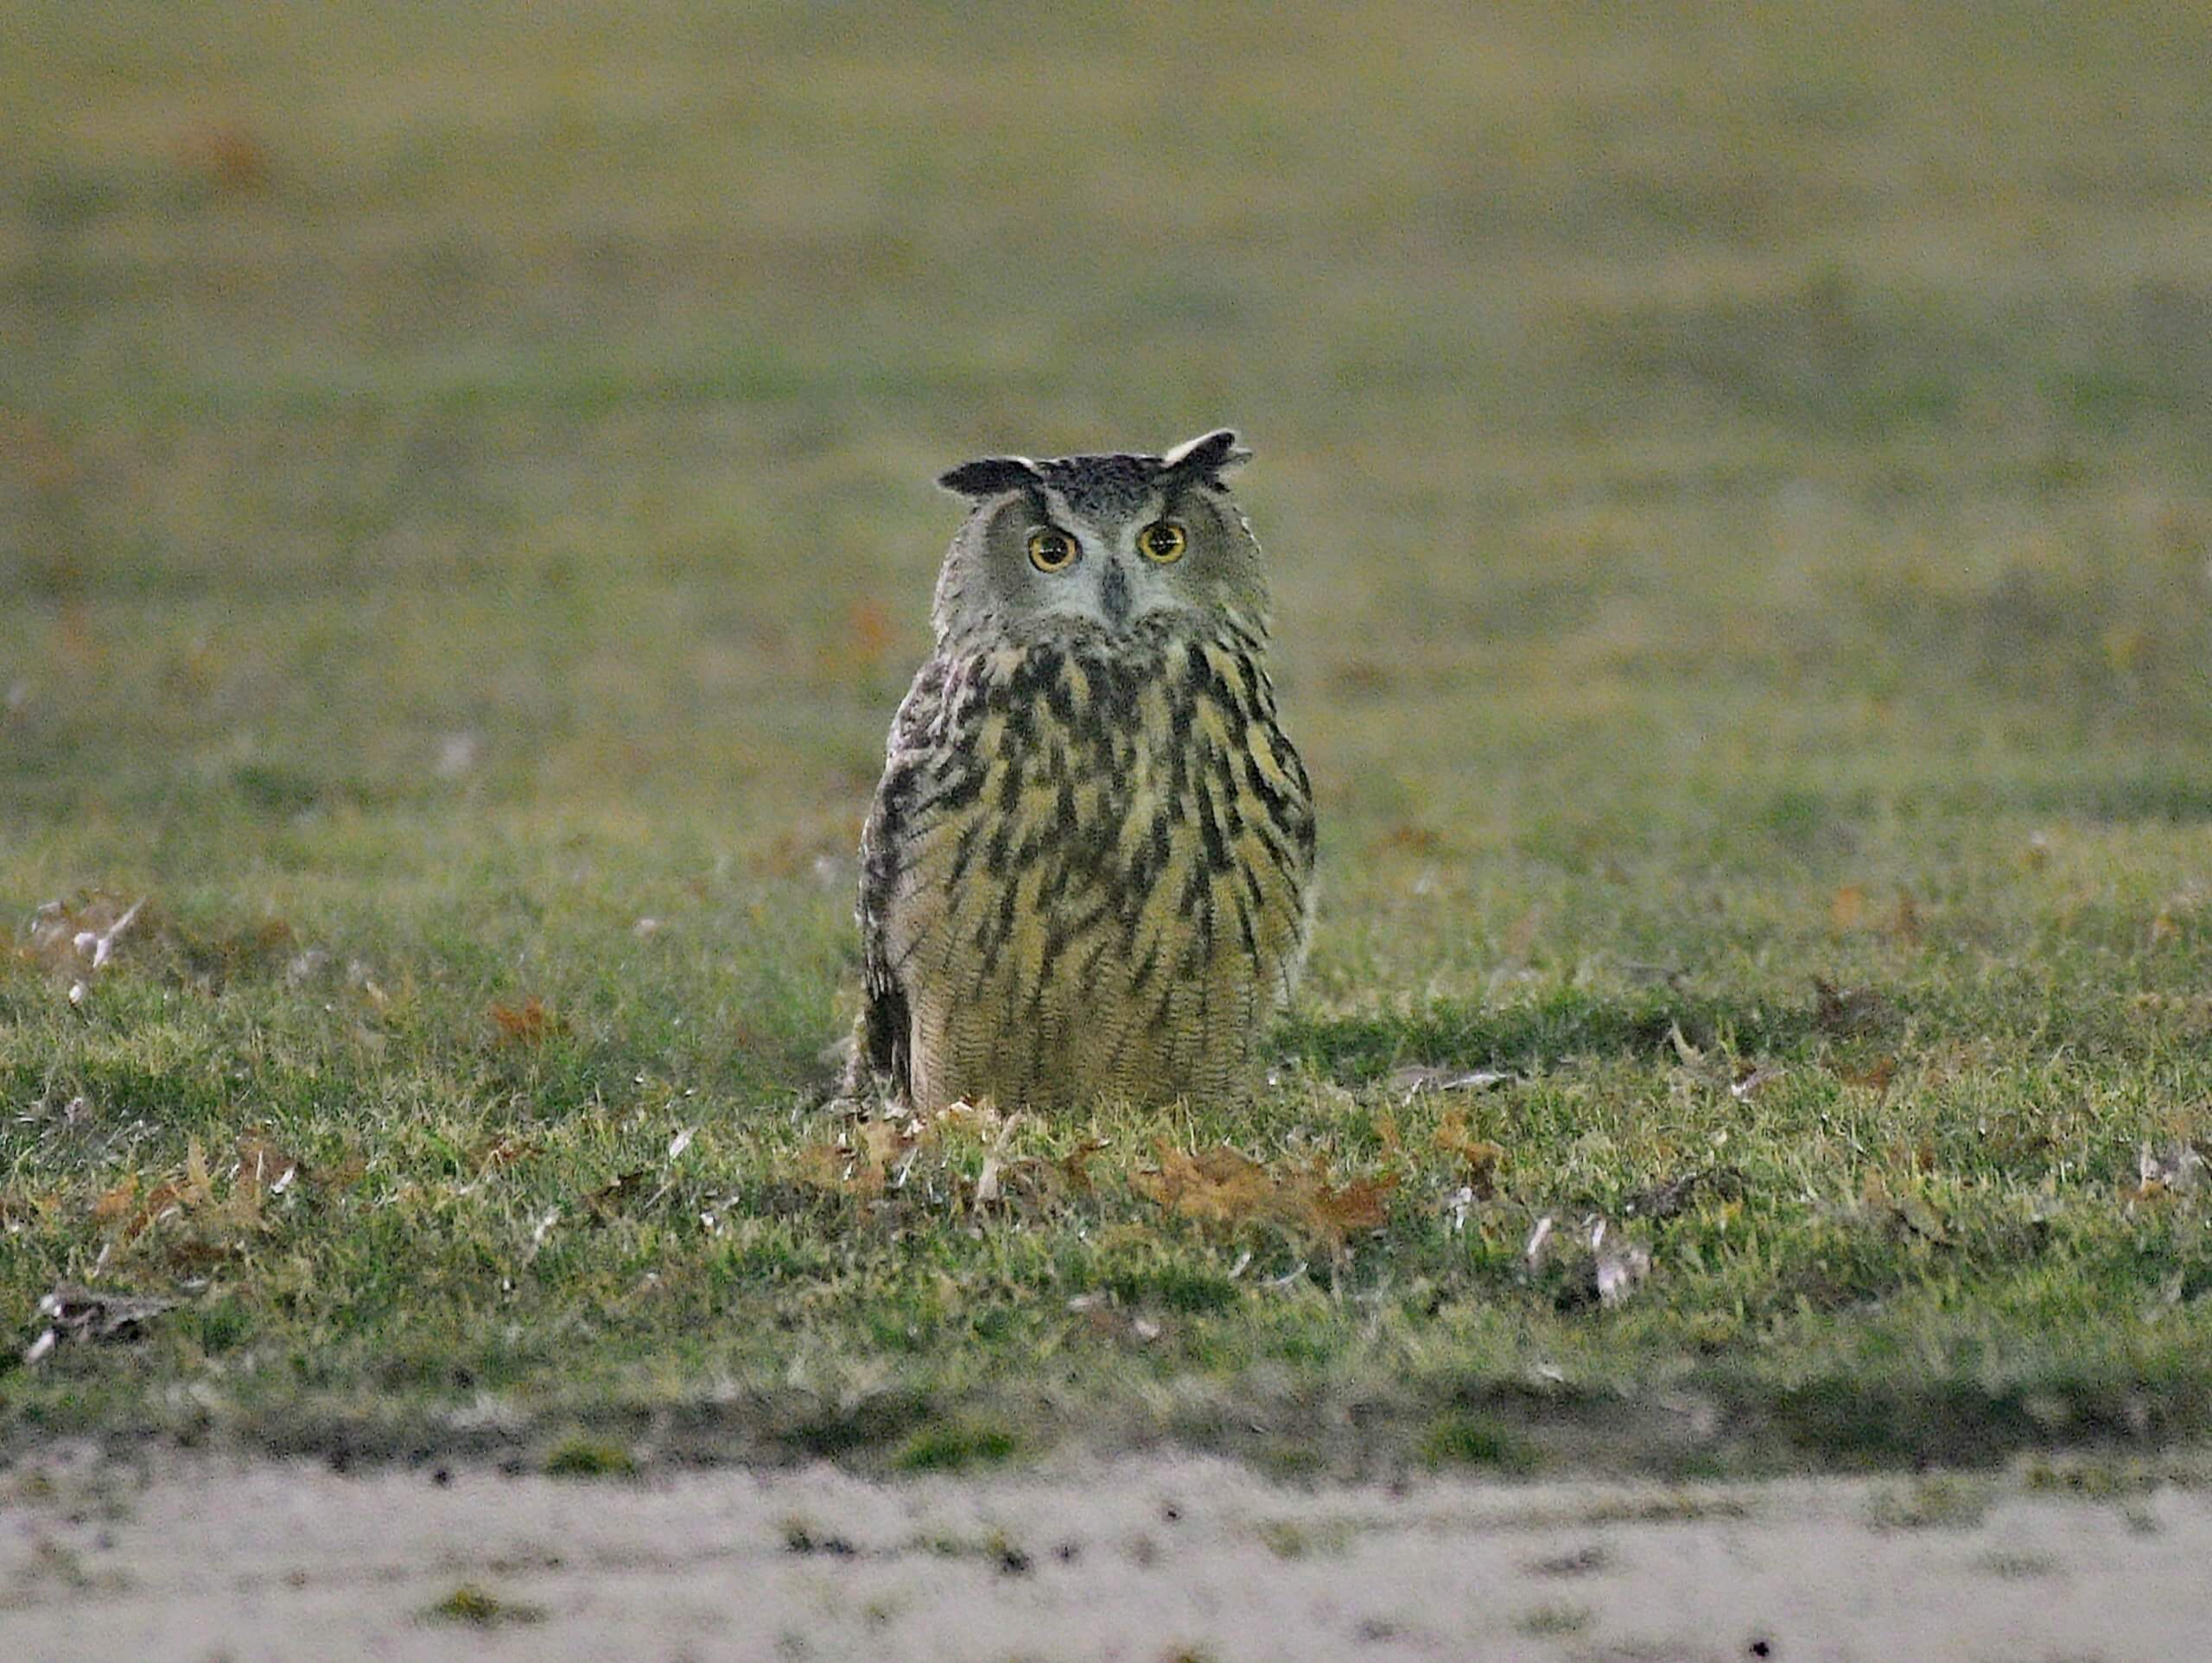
(160, 1200)
(1218, 1187)
(526, 1024)
(1362, 1205)
(1482, 1157)
(115, 1205)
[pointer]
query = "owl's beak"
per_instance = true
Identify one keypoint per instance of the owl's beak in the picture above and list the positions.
(1114, 593)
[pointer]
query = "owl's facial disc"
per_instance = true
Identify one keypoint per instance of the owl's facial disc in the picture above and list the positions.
(1109, 572)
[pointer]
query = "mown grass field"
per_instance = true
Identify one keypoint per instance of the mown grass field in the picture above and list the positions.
(1737, 490)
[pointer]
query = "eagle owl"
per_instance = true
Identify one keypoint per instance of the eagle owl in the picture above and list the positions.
(1086, 871)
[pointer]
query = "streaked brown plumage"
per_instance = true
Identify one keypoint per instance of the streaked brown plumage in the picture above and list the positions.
(1086, 871)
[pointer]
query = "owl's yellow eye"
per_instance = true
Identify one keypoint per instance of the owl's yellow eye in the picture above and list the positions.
(1163, 541)
(1051, 551)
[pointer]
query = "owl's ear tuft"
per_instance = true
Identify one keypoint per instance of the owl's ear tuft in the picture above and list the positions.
(990, 477)
(1206, 457)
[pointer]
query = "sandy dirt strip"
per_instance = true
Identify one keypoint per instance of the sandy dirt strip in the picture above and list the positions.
(1145, 1560)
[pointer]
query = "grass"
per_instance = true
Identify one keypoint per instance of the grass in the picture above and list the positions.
(473, 1607)
(1735, 488)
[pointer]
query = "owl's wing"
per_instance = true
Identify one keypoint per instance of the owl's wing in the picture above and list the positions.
(916, 732)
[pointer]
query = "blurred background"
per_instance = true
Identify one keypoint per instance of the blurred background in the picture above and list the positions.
(1692, 442)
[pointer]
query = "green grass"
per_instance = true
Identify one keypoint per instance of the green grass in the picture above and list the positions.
(473, 1607)
(1736, 489)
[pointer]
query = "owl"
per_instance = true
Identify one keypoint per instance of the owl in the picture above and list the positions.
(1086, 871)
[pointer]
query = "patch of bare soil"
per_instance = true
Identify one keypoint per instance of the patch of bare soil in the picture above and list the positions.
(1134, 1558)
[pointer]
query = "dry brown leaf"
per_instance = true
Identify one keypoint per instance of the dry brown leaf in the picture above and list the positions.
(881, 1143)
(117, 1204)
(527, 1024)
(1482, 1157)
(824, 1165)
(1335, 1215)
(1874, 1077)
(1846, 907)
(263, 1165)
(1219, 1186)
(229, 156)
(1222, 1186)
(496, 1152)
(197, 1184)
(161, 1201)
(1075, 1165)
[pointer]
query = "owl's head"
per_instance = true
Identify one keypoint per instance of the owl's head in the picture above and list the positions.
(1100, 542)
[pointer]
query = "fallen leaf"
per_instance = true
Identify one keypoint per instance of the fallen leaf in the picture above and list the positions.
(263, 1165)
(881, 1142)
(1219, 1186)
(1482, 1157)
(1335, 1215)
(490, 1156)
(527, 1024)
(229, 156)
(1075, 1165)
(1846, 907)
(116, 1204)
(1875, 1077)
